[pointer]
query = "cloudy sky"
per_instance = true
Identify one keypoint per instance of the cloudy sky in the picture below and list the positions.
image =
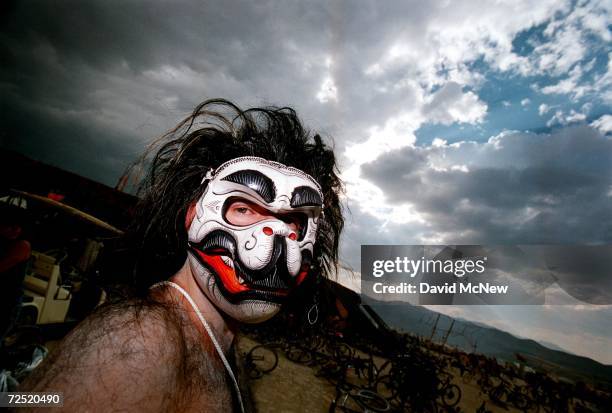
(455, 122)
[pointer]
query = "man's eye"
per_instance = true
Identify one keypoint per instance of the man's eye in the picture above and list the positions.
(242, 210)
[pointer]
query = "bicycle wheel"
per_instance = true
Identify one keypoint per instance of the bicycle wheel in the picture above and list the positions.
(253, 372)
(341, 350)
(498, 395)
(372, 401)
(519, 401)
(299, 355)
(451, 395)
(386, 387)
(263, 358)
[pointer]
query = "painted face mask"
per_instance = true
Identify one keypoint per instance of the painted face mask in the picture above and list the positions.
(251, 241)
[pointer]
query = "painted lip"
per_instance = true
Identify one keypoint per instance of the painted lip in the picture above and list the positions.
(237, 288)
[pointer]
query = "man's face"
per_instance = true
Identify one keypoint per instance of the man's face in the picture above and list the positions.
(252, 237)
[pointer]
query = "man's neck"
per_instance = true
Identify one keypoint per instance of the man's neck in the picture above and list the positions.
(224, 331)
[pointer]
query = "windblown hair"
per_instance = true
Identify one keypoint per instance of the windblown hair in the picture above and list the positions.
(214, 133)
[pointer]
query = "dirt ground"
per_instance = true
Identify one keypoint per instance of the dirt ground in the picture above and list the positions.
(293, 387)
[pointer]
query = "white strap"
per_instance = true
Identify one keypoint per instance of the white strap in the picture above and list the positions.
(210, 334)
(208, 177)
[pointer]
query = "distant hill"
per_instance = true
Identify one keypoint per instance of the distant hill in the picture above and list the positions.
(553, 346)
(470, 337)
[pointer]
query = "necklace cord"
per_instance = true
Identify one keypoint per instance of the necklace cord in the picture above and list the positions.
(212, 336)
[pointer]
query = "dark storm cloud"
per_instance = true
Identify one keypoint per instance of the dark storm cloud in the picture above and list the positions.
(517, 188)
(362, 228)
(130, 69)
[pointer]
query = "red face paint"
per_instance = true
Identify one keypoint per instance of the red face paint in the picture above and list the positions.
(228, 275)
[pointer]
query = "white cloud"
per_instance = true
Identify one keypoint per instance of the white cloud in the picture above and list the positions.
(603, 124)
(560, 118)
(397, 133)
(558, 56)
(570, 85)
(436, 49)
(518, 186)
(438, 142)
(328, 91)
(557, 118)
(574, 117)
(435, 57)
(595, 17)
(543, 109)
(451, 104)
(447, 105)
(603, 83)
(566, 44)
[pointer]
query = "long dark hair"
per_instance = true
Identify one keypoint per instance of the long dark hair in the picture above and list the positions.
(214, 133)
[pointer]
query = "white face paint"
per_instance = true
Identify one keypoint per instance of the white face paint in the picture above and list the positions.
(252, 238)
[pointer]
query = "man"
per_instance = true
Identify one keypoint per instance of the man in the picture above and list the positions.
(238, 209)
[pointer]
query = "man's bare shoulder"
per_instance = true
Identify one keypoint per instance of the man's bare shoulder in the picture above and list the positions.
(124, 356)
